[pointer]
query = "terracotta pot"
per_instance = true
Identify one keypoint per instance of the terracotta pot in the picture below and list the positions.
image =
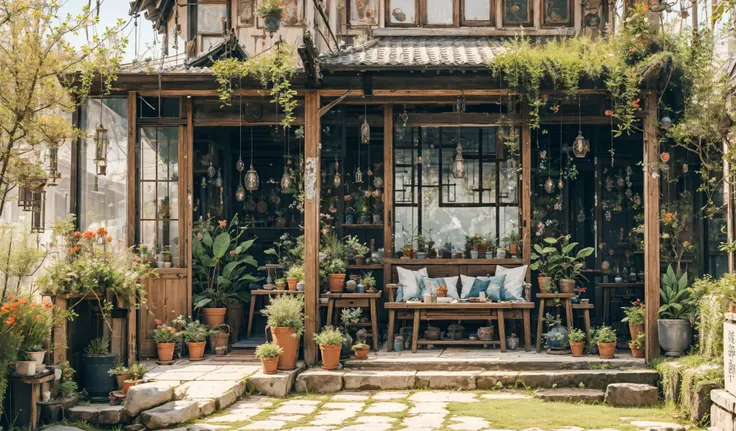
(362, 353)
(337, 283)
(292, 281)
(196, 350)
(606, 350)
(567, 286)
(214, 317)
(359, 260)
(270, 365)
(285, 338)
(330, 356)
(513, 249)
(545, 283)
(121, 378)
(577, 348)
(280, 286)
(127, 384)
(482, 248)
(165, 351)
(634, 330)
(636, 353)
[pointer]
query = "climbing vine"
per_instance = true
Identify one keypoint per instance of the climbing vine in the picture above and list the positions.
(272, 69)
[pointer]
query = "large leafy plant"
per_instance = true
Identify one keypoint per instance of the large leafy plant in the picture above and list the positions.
(542, 258)
(221, 266)
(556, 259)
(676, 297)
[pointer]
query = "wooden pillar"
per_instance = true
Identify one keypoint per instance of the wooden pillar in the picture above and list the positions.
(60, 336)
(312, 146)
(132, 327)
(388, 180)
(728, 198)
(651, 225)
(526, 185)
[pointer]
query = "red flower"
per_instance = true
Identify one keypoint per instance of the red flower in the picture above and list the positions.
(89, 235)
(101, 231)
(77, 234)
(74, 250)
(223, 223)
(608, 112)
(635, 104)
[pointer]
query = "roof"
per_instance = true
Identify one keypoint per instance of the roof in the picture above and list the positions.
(417, 53)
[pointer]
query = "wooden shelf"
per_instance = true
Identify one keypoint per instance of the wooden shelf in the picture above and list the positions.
(461, 342)
(362, 226)
(373, 266)
(395, 261)
(620, 285)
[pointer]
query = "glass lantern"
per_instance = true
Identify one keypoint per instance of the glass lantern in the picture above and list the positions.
(102, 144)
(251, 179)
(458, 165)
(580, 146)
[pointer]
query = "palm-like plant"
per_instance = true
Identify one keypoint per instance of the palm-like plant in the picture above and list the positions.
(677, 301)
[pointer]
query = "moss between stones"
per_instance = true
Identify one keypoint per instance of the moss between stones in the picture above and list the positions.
(682, 379)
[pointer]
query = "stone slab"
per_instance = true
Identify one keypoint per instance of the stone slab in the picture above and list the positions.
(723, 399)
(595, 379)
(386, 407)
(375, 380)
(447, 396)
(351, 396)
(85, 413)
(571, 395)
(658, 426)
(148, 395)
(462, 380)
(319, 381)
(224, 393)
(631, 395)
(171, 413)
(390, 395)
(275, 385)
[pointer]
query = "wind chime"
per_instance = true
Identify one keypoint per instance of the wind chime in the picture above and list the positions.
(287, 180)
(251, 177)
(549, 185)
(102, 139)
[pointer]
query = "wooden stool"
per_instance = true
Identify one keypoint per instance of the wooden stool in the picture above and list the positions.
(586, 307)
(355, 300)
(549, 299)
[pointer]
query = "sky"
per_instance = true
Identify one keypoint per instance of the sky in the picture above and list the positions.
(110, 11)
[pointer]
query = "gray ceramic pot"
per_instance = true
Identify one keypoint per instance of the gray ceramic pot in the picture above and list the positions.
(675, 335)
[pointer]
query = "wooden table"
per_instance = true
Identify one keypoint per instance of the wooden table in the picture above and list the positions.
(21, 398)
(355, 300)
(549, 299)
(266, 294)
(607, 296)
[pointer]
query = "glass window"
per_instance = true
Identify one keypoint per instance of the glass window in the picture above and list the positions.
(210, 18)
(434, 13)
(158, 170)
(440, 12)
(402, 12)
(476, 10)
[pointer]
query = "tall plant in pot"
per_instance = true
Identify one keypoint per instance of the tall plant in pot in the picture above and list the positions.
(285, 316)
(544, 261)
(676, 309)
(330, 343)
(569, 264)
(97, 360)
(635, 316)
(349, 317)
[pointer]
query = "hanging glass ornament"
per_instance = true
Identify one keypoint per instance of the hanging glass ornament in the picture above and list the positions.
(369, 172)
(549, 185)
(365, 132)
(609, 183)
(251, 179)
(608, 215)
(581, 217)
(629, 193)
(286, 182)
(337, 180)
(211, 171)
(204, 182)
(218, 180)
(323, 175)
(240, 193)
(620, 182)
(358, 176)
(685, 168)
(378, 182)
(665, 122)
(458, 166)
(580, 146)
(636, 199)
(240, 165)
(560, 183)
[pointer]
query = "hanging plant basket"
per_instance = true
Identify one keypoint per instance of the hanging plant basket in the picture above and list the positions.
(272, 22)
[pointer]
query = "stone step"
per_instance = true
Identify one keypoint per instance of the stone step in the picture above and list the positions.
(571, 395)
(320, 381)
(499, 363)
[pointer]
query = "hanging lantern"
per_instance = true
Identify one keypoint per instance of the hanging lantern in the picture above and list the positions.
(458, 166)
(580, 146)
(204, 183)
(685, 168)
(337, 180)
(358, 176)
(54, 173)
(218, 180)
(549, 185)
(286, 182)
(240, 165)
(365, 132)
(581, 217)
(240, 193)
(560, 183)
(38, 213)
(377, 182)
(102, 143)
(251, 179)
(211, 171)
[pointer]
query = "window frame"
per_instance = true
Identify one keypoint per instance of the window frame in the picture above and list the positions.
(420, 11)
(202, 35)
(417, 15)
(425, 18)
(478, 23)
(571, 12)
(529, 23)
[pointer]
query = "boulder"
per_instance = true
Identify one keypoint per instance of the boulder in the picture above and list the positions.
(85, 413)
(571, 395)
(148, 395)
(631, 395)
(699, 402)
(112, 415)
(319, 381)
(171, 413)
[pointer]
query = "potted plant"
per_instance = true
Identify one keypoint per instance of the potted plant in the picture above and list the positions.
(472, 245)
(635, 316)
(543, 261)
(490, 240)
(335, 268)
(294, 275)
(280, 283)
(637, 346)
(356, 249)
(421, 252)
(330, 343)
(271, 11)
(568, 265)
(577, 342)
(513, 241)
(136, 372)
(605, 339)
(361, 350)
(68, 387)
(369, 282)
(349, 318)
(96, 361)
(195, 335)
(165, 338)
(377, 206)
(34, 322)
(166, 253)
(557, 336)
(269, 354)
(286, 320)
(677, 307)
(121, 374)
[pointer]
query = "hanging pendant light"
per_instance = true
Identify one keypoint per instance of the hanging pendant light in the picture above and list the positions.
(204, 183)
(337, 180)
(358, 176)
(251, 177)
(286, 182)
(102, 144)
(240, 165)
(286, 179)
(211, 171)
(458, 165)
(560, 183)
(218, 180)
(549, 185)
(365, 128)
(580, 146)
(240, 192)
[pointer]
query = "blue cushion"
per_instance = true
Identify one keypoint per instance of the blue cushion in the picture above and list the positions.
(478, 287)
(495, 289)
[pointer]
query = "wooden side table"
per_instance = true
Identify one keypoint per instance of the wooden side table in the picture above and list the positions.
(549, 299)
(355, 300)
(586, 307)
(23, 401)
(266, 294)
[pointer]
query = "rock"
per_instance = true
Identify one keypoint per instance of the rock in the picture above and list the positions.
(464, 380)
(86, 413)
(631, 395)
(206, 427)
(148, 395)
(658, 426)
(585, 396)
(112, 415)
(171, 413)
(275, 385)
(62, 428)
(206, 407)
(134, 427)
(386, 407)
(699, 402)
(319, 381)
(386, 380)
(223, 393)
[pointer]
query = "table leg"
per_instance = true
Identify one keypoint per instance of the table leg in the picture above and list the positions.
(540, 322)
(527, 329)
(415, 331)
(35, 398)
(568, 311)
(606, 305)
(391, 323)
(374, 323)
(330, 310)
(502, 330)
(586, 317)
(253, 300)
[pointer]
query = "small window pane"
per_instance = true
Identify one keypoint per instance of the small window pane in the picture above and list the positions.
(440, 12)
(209, 42)
(402, 12)
(477, 10)
(210, 18)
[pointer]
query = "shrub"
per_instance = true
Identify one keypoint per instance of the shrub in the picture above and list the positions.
(360, 346)
(268, 350)
(193, 330)
(576, 335)
(270, 7)
(165, 334)
(605, 334)
(286, 311)
(329, 336)
(296, 271)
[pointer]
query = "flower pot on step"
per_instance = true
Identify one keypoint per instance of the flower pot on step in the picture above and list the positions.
(214, 317)
(97, 382)
(196, 350)
(165, 351)
(361, 353)
(577, 348)
(636, 352)
(270, 365)
(289, 342)
(121, 378)
(606, 350)
(634, 330)
(127, 384)
(330, 356)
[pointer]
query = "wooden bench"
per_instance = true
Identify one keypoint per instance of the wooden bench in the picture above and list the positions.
(487, 311)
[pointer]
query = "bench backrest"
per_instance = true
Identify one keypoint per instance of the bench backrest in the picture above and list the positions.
(446, 268)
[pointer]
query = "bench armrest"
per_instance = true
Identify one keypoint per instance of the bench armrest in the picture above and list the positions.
(392, 288)
(527, 291)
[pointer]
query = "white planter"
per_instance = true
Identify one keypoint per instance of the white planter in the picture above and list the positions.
(38, 357)
(25, 368)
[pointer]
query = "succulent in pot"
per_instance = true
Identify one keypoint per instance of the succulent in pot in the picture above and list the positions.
(605, 339)
(285, 316)
(369, 282)
(165, 338)
(269, 354)
(676, 309)
(330, 343)
(121, 374)
(97, 360)
(361, 350)
(577, 342)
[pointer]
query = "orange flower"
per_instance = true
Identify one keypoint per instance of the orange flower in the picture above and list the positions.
(108, 239)
(5, 308)
(77, 234)
(223, 223)
(23, 301)
(101, 231)
(669, 218)
(609, 112)
(47, 304)
(74, 250)
(11, 297)
(89, 235)
(10, 320)
(635, 103)
(633, 49)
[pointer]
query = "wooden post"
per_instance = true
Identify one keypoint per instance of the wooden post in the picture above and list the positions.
(388, 180)
(312, 146)
(651, 225)
(526, 188)
(132, 329)
(728, 198)
(60, 339)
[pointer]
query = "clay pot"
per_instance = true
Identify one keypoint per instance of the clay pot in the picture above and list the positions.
(166, 351)
(634, 330)
(196, 350)
(606, 350)
(281, 286)
(121, 378)
(513, 249)
(127, 384)
(214, 317)
(337, 283)
(545, 283)
(361, 353)
(359, 260)
(636, 353)
(270, 365)
(330, 356)
(432, 333)
(567, 285)
(577, 348)
(25, 368)
(292, 283)
(285, 338)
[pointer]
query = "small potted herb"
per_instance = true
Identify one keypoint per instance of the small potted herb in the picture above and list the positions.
(330, 344)
(269, 354)
(294, 275)
(286, 319)
(165, 338)
(136, 372)
(635, 316)
(569, 265)
(361, 350)
(195, 335)
(369, 281)
(512, 240)
(605, 338)
(281, 283)
(121, 374)
(577, 342)
(271, 11)
(335, 268)
(544, 261)
(637, 346)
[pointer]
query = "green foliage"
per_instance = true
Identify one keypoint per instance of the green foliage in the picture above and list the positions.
(604, 334)
(21, 258)
(355, 248)
(676, 300)
(270, 7)
(296, 271)
(118, 369)
(137, 371)
(165, 334)
(10, 341)
(369, 280)
(98, 346)
(286, 311)
(268, 350)
(68, 388)
(360, 346)
(639, 342)
(690, 374)
(713, 297)
(576, 335)
(555, 258)
(329, 336)
(289, 251)
(334, 266)
(635, 314)
(350, 316)
(192, 331)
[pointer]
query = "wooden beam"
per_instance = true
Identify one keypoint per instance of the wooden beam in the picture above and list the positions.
(312, 128)
(526, 186)
(325, 109)
(60, 332)
(132, 327)
(388, 180)
(189, 164)
(651, 226)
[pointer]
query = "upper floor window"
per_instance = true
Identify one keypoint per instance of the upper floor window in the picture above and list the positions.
(211, 16)
(439, 13)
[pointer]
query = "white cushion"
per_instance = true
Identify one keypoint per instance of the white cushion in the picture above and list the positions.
(513, 285)
(467, 283)
(408, 285)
